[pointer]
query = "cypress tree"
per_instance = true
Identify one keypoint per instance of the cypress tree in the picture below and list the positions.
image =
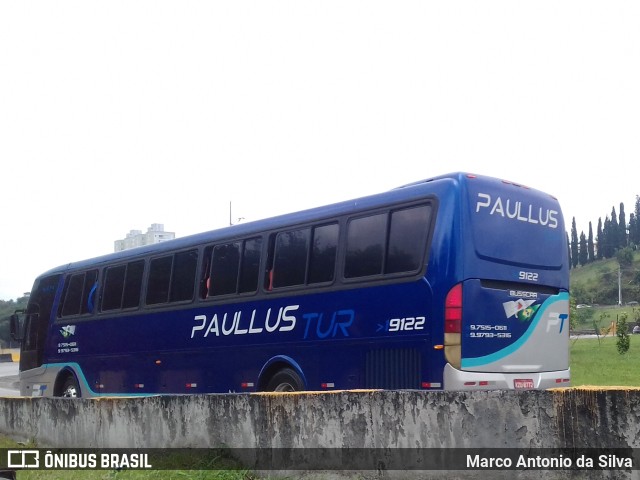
(599, 240)
(583, 257)
(590, 246)
(613, 236)
(574, 244)
(634, 226)
(632, 229)
(607, 249)
(622, 228)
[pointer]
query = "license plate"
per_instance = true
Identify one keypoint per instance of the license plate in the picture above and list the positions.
(523, 384)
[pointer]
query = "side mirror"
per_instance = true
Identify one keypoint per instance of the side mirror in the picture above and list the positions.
(16, 325)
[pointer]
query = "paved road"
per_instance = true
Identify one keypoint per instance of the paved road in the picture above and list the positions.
(9, 379)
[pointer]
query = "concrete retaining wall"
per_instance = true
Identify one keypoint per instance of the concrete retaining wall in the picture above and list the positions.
(371, 419)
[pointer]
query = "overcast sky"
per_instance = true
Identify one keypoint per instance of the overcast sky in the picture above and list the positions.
(116, 115)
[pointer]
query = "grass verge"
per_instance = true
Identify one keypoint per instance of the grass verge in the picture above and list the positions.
(598, 363)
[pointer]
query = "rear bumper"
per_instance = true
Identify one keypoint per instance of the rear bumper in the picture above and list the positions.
(460, 380)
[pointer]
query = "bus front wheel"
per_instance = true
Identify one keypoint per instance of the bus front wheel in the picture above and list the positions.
(70, 387)
(285, 380)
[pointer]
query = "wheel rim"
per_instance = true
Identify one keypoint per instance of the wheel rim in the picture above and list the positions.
(285, 387)
(71, 391)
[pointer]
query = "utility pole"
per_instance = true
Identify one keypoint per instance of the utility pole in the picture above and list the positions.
(619, 286)
(230, 217)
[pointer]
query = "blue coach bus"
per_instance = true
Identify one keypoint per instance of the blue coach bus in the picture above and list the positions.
(455, 282)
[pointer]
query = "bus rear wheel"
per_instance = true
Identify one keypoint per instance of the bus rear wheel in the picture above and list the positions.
(285, 380)
(70, 388)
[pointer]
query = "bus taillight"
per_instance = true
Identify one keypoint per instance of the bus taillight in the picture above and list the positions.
(453, 310)
(453, 326)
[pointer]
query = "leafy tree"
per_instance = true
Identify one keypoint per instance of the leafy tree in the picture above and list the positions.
(580, 293)
(598, 326)
(573, 313)
(574, 244)
(622, 332)
(625, 257)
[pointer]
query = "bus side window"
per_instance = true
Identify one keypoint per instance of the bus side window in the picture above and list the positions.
(122, 285)
(113, 287)
(79, 293)
(303, 256)
(322, 258)
(268, 273)
(159, 280)
(205, 273)
(172, 278)
(225, 264)
(133, 284)
(290, 259)
(366, 238)
(270, 279)
(250, 265)
(407, 239)
(72, 295)
(183, 276)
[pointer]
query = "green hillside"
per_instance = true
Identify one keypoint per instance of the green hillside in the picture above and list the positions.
(597, 282)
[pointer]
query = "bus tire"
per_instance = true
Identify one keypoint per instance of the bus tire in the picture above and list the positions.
(70, 387)
(285, 380)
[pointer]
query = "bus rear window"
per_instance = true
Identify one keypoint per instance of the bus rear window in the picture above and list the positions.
(516, 226)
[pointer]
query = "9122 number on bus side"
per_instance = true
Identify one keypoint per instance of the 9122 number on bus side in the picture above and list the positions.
(406, 324)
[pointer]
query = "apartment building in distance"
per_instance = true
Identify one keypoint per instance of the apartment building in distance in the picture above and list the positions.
(135, 238)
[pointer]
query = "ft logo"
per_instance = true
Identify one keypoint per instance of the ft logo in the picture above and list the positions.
(555, 319)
